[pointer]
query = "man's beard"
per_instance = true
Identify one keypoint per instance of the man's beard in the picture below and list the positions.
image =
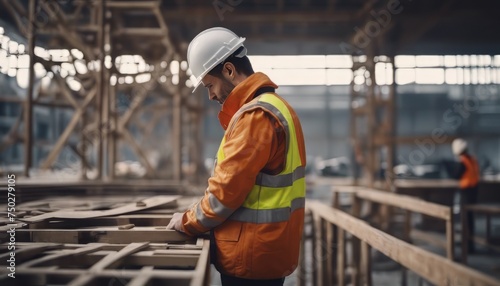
(227, 88)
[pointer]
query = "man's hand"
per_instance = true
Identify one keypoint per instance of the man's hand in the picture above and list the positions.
(176, 222)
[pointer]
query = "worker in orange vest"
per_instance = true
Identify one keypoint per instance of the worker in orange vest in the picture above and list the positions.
(254, 203)
(468, 181)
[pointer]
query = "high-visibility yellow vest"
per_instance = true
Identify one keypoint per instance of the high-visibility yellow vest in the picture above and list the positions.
(274, 197)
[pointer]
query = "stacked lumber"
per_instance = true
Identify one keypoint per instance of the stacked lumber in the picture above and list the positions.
(113, 240)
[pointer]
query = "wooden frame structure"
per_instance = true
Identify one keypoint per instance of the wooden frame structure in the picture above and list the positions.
(88, 27)
(372, 118)
(408, 204)
(330, 223)
(104, 241)
(133, 264)
(488, 241)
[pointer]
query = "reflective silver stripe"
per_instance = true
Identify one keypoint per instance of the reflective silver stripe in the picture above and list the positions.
(203, 220)
(270, 108)
(280, 181)
(218, 208)
(267, 216)
(282, 119)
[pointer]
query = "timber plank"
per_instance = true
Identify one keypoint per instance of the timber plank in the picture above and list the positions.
(405, 202)
(119, 273)
(75, 252)
(137, 219)
(143, 278)
(483, 208)
(114, 258)
(434, 239)
(105, 235)
(201, 273)
(24, 253)
(128, 208)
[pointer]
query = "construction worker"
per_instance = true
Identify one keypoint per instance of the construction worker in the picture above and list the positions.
(468, 176)
(254, 203)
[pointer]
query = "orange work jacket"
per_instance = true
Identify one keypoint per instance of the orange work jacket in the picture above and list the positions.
(470, 178)
(250, 242)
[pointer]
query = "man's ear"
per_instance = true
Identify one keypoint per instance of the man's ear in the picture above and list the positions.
(229, 71)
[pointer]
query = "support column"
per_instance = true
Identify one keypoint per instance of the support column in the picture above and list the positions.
(28, 114)
(101, 89)
(177, 136)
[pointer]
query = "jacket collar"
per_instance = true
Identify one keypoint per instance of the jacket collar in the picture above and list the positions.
(242, 94)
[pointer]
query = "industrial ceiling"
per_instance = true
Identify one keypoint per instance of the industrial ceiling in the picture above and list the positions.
(313, 26)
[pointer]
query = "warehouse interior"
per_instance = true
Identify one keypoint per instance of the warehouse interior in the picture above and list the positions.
(102, 138)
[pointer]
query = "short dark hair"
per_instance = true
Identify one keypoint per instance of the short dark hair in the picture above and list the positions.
(242, 64)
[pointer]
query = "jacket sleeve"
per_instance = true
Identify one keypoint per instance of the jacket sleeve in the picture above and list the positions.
(249, 145)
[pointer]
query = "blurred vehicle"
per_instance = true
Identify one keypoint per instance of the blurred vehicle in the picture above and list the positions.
(335, 167)
(129, 169)
(442, 169)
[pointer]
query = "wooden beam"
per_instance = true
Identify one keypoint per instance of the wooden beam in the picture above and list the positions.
(69, 35)
(366, 264)
(487, 243)
(405, 202)
(69, 129)
(28, 111)
(434, 239)
(332, 249)
(140, 153)
(202, 270)
(107, 262)
(432, 267)
(11, 98)
(167, 275)
(132, 207)
(79, 29)
(29, 252)
(301, 271)
(113, 137)
(177, 136)
(138, 99)
(66, 91)
(17, 11)
(103, 235)
(450, 238)
(132, 4)
(139, 32)
(341, 259)
(166, 40)
(318, 252)
(156, 220)
(12, 136)
(75, 252)
(483, 208)
(101, 84)
(143, 278)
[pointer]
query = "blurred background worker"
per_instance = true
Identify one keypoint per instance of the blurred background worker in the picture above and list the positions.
(468, 174)
(254, 203)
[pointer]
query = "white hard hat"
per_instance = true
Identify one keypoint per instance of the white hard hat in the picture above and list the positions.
(458, 146)
(210, 48)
